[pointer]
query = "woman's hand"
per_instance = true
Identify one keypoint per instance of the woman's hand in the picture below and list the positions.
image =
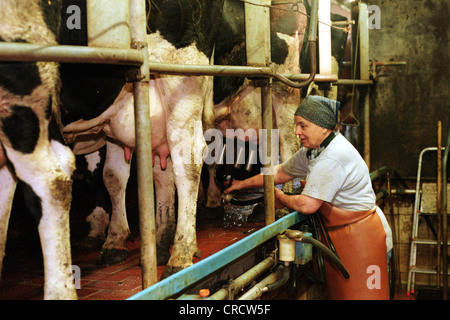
(235, 185)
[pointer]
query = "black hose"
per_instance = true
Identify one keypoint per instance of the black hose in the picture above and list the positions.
(329, 253)
(316, 235)
(325, 233)
(286, 272)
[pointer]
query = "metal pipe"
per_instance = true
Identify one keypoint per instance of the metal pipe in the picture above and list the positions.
(181, 280)
(261, 287)
(390, 63)
(12, 51)
(439, 202)
(312, 47)
(378, 173)
(367, 127)
(242, 281)
(312, 53)
(444, 219)
(247, 71)
(403, 191)
(238, 71)
(380, 195)
(351, 82)
(27, 52)
(144, 148)
(269, 187)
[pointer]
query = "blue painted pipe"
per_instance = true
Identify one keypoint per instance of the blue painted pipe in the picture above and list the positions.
(184, 278)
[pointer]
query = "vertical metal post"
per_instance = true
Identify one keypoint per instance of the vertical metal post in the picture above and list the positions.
(324, 30)
(269, 186)
(257, 34)
(366, 95)
(360, 59)
(444, 219)
(363, 41)
(144, 148)
(439, 202)
(363, 32)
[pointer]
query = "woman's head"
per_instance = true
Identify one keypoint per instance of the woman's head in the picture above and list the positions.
(311, 135)
(315, 119)
(320, 111)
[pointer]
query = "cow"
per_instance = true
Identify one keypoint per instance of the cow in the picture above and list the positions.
(32, 149)
(181, 110)
(238, 100)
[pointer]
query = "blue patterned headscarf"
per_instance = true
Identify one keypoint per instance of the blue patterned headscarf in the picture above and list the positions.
(320, 111)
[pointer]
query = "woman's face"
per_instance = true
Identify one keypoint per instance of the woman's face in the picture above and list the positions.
(310, 134)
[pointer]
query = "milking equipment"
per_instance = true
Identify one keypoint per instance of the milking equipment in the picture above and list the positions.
(294, 248)
(241, 168)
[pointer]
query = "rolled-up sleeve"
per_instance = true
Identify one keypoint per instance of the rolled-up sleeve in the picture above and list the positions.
(297, 165)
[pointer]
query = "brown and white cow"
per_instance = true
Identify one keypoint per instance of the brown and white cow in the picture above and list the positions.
(238, 100)
(31, 144)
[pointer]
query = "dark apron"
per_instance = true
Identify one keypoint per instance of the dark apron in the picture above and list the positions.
(360, 242)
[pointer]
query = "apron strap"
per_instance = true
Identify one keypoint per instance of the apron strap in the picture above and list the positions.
(335, 217)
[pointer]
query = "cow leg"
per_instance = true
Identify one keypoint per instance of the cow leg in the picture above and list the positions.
(186, 152)
(214, 195)
(115, 176)
(99, 218)
(165, 209)
(54, 230)
(46, 173)
(7, 189)
(213, 207)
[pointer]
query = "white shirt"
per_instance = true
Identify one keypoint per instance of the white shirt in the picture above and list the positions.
(339, 176)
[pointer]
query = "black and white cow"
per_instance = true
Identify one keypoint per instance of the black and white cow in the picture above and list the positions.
(183, 32)
(32, 148)
(238, 100)
(33, 111)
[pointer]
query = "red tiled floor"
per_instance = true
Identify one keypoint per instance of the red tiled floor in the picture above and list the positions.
(22, 277)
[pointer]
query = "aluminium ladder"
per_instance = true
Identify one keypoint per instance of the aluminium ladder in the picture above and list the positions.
(424, 206)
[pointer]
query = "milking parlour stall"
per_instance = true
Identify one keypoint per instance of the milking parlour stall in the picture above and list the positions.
(183, 151)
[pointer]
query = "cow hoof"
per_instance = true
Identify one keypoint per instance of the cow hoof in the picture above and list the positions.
(112, 256)
(91, 243)
(162, 257)
(170, 271)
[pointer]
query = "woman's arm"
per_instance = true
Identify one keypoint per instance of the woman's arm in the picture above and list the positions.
(258, 180)
(300, 203)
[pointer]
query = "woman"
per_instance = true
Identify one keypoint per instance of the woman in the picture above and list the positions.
(338, 185)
